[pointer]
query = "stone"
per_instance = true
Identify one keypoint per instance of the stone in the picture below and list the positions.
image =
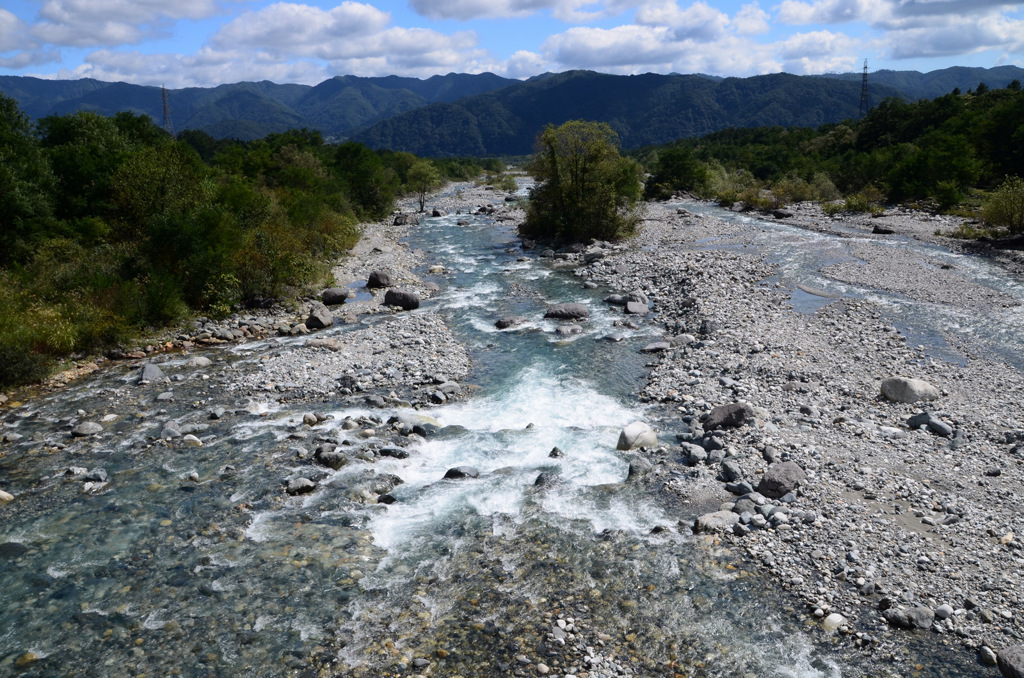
(906, 390)
(150, 372)
(379, 279)
(1011, 661)
(97, 475)
(568, 330)
(637, 434)
(833, 621)
(546, 479)
(86, 428)
(987, 656)
(462, 472)
(555, 453)
(319, 317)
(5, 497)
(199, 361)
(394, 452)
(568, 312)
(333, 296)
(406, 220)
(732, 415)
(192, 440)
(509, 321)
(636, 308)
(944, 612)
(716, 521)
(638, 468)
(12, 550)
(731, 470)
(781, 479)
(656, 347)
(403, 299)
(933, 423)
(300, 486)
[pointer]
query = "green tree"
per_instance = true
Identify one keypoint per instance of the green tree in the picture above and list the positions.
(423, 178)
(586, 189)
(1006, 206)
(26, 185)
(677, 169)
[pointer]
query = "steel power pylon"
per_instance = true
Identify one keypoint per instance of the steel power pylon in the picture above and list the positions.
(168, 125)
(864, 93)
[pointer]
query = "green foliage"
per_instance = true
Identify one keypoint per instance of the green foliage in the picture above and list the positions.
(1005, 207)
(676, 169)
(423, 178)
(586, 189)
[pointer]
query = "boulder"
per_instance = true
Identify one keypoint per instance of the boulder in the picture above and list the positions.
(319, 317)
(462, 472)
(1011, 661)
(656, 347)
(905, 390)
(568, 330)
(333, 296)
(715, 522)
(781, 479)
(86, 428)
(406, 220)
(150, 372)
(638, 468)
(300, 486)
(636, 308)
(403, 299)
(5, 497)
(732, 415)
(568, 312)
(617, 299)
(379, 279)
(934, 424)
(509, 321)
(914, 618)
(637, 434)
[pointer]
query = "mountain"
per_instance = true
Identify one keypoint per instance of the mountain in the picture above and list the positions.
(914, 85)
(250, 110)
(642, 109)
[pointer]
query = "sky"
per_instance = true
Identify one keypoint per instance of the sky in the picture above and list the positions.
(204, 43)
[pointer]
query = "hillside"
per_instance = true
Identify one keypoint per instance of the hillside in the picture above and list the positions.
(914, 85)
(642, 109)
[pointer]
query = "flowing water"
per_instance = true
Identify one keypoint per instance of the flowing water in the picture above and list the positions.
(194, 561)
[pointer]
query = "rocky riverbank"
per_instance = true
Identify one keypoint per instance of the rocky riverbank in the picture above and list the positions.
(882, 518)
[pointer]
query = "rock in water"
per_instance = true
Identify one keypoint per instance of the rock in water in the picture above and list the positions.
(407, 301)
(636, 308)
(150, 372)
(1011, 661)
(300, 486)
(86, 428)
(637, 434)
(905, 390)
(319, 317)
(781, 479)
(379, 279)
(509, 321)
(732, 415)
(333, 296)
(568, 312)
(5, 497)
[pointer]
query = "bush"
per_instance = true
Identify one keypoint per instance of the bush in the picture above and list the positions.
(1006, 206)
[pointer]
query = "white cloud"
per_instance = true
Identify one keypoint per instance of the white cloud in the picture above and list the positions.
(699, 21)
(84, 23)
(957, 38)
(288, 26)
(573, 11)
(12, 32)
(818, 52)
(523, 64)
(827, 11)
(751, 20)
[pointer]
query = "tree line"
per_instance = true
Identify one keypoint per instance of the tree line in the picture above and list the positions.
(112, 227)
(941, 151)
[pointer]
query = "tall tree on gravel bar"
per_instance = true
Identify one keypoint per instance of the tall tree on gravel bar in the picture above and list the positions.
(424, 178)
(586, 189)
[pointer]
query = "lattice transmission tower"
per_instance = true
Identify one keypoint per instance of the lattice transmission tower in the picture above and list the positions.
(168, 125)
(864, 93)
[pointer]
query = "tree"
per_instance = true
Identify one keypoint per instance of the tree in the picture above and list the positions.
(26, 186)
(586, 189)
(677, 169)
(423, 178)
(1006, 206)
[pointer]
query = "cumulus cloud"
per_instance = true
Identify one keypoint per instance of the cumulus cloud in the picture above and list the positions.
(751, 20)
(85, 23)
(288, 26)
(992, 32)
(575, 11)
(818, 52)
(12, 32)
(699, 21)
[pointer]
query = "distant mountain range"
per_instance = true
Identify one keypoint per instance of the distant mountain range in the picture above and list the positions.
(485, 114)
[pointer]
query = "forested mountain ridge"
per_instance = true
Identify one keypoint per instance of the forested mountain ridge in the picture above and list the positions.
(914, 85)
(251, 110)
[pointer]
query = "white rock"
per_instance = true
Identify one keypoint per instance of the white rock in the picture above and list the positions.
(833, 621)
(637, 434)
(192, 440)
(905, 390)
(5, 497)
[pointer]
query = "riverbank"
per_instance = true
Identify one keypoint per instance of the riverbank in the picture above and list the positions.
(890, 516)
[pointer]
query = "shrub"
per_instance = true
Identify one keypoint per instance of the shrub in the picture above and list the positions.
(1006, 205)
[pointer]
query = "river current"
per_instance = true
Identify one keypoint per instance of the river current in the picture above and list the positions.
(193, 560)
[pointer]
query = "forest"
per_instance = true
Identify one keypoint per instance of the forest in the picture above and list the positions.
(947, 152)
(112, 227)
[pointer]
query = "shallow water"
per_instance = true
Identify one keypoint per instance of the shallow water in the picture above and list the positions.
(221, 573)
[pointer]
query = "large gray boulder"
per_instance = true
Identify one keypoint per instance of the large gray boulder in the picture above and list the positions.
(732, 415)
(150, 372)
(406, 220)
(459, 472)
(636, 308)
(906, 390)
(403, 299)
(509, 321)
(333, 296)
(715, 522)
(637, 434)
(1011, 661)
(781, 479)
(915, 618)
(568, 312)
(319, 317)
(87, 428)
(379, 279)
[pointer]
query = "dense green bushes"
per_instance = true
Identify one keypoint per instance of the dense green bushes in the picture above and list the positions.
(111, 226)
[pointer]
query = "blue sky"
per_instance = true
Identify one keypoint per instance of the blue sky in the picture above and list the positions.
(181, 43)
